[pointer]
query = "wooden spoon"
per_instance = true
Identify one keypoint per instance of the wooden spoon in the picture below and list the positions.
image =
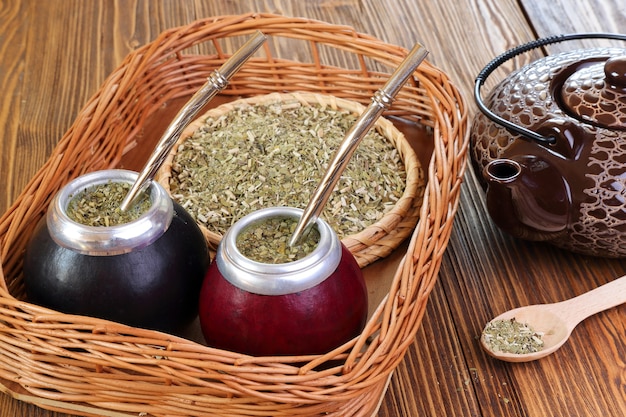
(557, 320)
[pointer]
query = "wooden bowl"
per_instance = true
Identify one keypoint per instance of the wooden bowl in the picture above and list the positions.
(367, 239)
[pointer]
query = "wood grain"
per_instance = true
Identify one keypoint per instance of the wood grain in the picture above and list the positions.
(54, 54)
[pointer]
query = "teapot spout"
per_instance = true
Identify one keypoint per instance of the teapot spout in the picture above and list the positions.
(502, 171)
(527, 198)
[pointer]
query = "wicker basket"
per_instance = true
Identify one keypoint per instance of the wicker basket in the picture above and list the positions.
(376, 240)
(87, 366)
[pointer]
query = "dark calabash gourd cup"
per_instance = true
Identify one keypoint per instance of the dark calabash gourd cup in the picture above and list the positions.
(307, 306)
(145, 273)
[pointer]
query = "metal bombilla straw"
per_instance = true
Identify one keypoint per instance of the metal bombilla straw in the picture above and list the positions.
(381, 101)
(216, 82)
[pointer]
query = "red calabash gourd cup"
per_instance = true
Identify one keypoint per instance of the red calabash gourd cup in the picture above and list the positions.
(145, 273)
(308, 306)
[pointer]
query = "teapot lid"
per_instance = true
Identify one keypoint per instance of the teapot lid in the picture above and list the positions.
(597, 93)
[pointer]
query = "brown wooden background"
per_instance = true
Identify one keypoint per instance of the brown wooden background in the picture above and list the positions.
(55, 53)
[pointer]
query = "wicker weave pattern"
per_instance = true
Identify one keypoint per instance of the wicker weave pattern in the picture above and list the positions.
(94, 367)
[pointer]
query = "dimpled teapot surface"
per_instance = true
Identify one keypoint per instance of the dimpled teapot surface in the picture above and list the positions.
(569, 186)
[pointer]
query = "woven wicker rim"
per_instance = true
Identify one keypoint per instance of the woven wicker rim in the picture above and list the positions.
(375, 241)
(87, 366)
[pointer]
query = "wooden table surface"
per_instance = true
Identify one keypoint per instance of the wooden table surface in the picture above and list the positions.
(55, 53)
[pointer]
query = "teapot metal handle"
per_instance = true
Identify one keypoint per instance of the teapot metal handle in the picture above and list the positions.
(511, 53)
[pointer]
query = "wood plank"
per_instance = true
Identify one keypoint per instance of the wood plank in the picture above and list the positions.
(13, 29)
(572, 16)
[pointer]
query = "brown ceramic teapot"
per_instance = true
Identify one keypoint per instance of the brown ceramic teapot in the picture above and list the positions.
(550, 145)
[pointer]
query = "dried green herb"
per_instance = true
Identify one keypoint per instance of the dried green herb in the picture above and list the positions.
(267, 241)
(511, 336)
(275, 155)
(99, 205)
